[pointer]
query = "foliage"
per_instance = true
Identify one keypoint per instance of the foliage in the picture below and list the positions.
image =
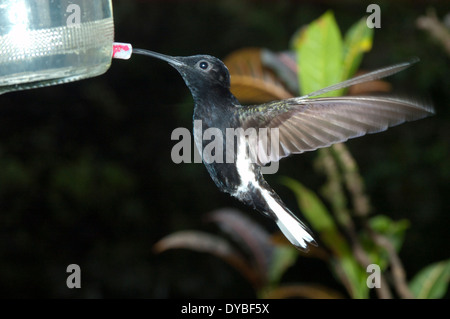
(323, 57)
(432, 281)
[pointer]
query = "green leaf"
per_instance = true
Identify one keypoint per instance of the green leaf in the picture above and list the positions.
(312, 207)
(394, 231)
(432, 281)
(357, 40)
(354, 276)
(283, 258)
(319, 55)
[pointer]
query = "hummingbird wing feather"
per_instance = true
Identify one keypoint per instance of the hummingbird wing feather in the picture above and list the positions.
(371, 76)
(308, 124)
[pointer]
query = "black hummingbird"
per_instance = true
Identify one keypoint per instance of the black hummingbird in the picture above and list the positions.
(303, 123)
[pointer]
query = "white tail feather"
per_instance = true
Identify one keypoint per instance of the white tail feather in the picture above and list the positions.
(294, 230)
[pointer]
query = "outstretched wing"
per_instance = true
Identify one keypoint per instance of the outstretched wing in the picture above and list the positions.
(305, 124)
(308, 124)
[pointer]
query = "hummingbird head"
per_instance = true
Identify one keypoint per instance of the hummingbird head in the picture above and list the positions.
(198, 71)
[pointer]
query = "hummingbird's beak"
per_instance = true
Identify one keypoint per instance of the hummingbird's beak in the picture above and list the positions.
(171, 60)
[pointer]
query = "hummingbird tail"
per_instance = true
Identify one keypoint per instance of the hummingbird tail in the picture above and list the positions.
(292, 227)
(294, 230)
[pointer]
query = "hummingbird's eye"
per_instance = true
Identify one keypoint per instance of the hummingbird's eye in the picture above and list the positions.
(203, 65)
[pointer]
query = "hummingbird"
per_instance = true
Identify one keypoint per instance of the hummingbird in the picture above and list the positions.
(302, 124)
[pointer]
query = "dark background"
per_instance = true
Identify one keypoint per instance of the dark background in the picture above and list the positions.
(86, 175)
